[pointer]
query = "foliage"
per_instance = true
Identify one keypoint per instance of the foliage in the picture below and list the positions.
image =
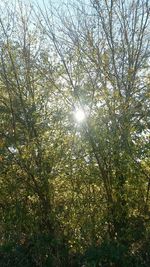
(75, 193)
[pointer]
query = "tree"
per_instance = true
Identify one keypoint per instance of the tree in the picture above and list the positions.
(57, 172)
(104, 49)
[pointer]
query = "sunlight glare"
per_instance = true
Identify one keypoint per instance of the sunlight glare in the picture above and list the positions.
(79, 115)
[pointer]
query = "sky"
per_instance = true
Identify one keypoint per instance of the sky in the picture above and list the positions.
(47, 1)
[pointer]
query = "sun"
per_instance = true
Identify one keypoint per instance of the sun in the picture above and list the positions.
(79, 115)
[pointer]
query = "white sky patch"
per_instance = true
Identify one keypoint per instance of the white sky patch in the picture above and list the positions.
(79, 115)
